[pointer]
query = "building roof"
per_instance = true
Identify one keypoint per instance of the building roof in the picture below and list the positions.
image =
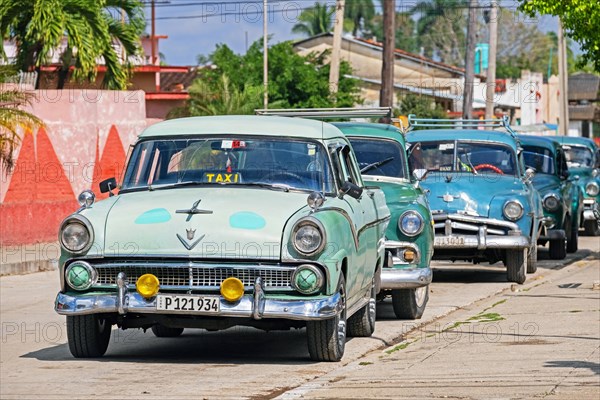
(584, 87)
(244, 125)
(170, 81)
(432, 135)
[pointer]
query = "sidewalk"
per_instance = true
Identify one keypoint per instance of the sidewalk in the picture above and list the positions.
(29, 258)
(541, 340)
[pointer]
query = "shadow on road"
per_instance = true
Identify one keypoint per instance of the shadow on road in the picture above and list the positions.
(592, 366)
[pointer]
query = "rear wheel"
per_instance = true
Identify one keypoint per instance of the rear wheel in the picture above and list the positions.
(515, 266)
(558, 249)
(532, 260)
(410, 303)
(592, 227)
(362, 323)
(88, 335)
(163, 331)
(327, 338)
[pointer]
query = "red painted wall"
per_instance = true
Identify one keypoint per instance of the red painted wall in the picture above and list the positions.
(84, 141)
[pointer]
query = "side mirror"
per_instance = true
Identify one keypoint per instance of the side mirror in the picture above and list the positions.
(529, 174)
(565, 175)
(420, 173)
(106, 186)
(351, 190)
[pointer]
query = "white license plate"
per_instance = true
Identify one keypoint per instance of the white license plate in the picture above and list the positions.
(449, 241)
(187, 303)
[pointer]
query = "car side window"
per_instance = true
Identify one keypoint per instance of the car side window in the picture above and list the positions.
(349, 164)
(561, 162)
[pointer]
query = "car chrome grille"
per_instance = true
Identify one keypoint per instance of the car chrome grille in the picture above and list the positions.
(196, 276)
(458, 224)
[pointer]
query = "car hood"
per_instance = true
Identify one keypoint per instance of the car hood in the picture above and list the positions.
(397, 193)
(238, 223)
(545, 183)
(468, 193)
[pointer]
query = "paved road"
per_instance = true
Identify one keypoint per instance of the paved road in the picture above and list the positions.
(237, 363)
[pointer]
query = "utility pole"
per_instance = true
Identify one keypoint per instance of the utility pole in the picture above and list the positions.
(265, 58)
(491, 72)
(470, 61)
(334, 67)
(386, 96)
(563, 104)
(153, 35)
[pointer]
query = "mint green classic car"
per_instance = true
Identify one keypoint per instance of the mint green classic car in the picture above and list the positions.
(381, 153)
(583, 159)
(226, 221)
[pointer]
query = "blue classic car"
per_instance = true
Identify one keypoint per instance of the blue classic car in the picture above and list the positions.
(225, 221)
(561, 199)
(583, 159)
(381, 153)
(483, 203)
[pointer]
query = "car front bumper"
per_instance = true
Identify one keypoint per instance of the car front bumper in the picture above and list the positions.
(255, 305)
(591, 210)
(400, 273)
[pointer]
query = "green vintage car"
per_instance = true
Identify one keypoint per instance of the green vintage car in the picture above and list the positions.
(561, 198)
(226, 221)
(381, 153)
(583, 159)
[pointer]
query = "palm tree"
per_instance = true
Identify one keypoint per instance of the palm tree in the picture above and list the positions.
(315, 20)
(12, 119)
(359, 11)
(91, 28)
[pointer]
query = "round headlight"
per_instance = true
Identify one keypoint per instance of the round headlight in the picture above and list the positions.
(308, 236)
(80, 275)
(307, 279)
(410, 223)
(551, 202)
(76, 235)
(592, 189)
(513, 210)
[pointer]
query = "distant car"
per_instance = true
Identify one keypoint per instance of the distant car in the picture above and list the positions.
(561, 199)
(484, 206)
(583, 159)
(381, 153)
(225, 221)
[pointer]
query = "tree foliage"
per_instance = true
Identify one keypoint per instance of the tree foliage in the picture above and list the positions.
(406, 38)
(580, 18)
(91, 28)
(13, 118)
(359, 13)
(294, 80)
(421, 106)
(315, 20)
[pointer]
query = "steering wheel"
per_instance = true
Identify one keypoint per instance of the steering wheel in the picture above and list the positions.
(271, 175)
(489, 166)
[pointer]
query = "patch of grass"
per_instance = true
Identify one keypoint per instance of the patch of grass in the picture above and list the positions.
(363, 363)
(400, 346)
(494, 305)
(529, 288)
(489, 317)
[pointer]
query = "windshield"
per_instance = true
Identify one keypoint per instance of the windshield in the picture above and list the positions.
(579, 156)
(457, 156)
(379, 157)
(289, 164)
(538, 158)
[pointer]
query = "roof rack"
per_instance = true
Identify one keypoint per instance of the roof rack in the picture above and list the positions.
(415, 122)
(329, 113)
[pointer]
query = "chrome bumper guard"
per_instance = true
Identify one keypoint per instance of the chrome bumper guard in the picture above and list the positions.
(409, 278)
(484, 237)
(256, 305)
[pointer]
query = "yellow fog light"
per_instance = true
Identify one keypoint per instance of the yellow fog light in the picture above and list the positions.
(147, 285)
(409, 255)
(232, 289)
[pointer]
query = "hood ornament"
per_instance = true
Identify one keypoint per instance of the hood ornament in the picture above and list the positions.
(190, 236)
(193, 211)
(448, 198)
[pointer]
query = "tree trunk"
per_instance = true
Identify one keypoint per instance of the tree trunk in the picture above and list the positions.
(386, 96)
(470, 60)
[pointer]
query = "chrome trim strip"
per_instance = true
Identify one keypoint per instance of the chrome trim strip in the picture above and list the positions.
(372, 224)
(476, 220)
(309, 309)
(409, 278)
(122, 293)
(347, 216)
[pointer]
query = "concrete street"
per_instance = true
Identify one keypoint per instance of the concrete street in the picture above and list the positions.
(480, 337)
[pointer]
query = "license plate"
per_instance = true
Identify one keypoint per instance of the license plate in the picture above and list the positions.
(449, 241)
(189, 303)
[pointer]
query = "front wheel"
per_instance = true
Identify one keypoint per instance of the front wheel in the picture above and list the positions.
(88, 335)
(362, 323)
(532, 260)
(515, 265)
(410, 303)
(572, 239)
(592, 227)
(558, 249)
(327, 338)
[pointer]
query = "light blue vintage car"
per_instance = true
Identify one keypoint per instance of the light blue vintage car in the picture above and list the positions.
(225, 221)
(583, 159)
(483, 203)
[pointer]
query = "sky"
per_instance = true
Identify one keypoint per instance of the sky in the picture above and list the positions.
(195, 27)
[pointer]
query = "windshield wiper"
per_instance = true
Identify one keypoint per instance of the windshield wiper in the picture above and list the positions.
(375, 165)
(273, 186)
(177, 184)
